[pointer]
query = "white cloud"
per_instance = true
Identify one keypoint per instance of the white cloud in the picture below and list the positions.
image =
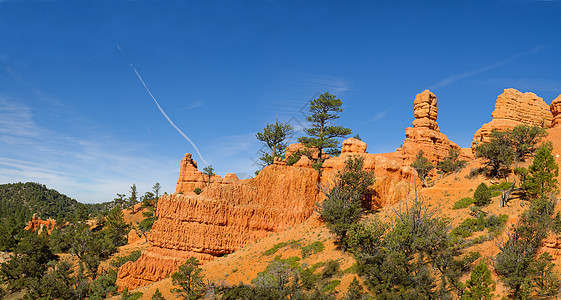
(90, 170)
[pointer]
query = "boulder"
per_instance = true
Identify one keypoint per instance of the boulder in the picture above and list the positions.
(353, 146)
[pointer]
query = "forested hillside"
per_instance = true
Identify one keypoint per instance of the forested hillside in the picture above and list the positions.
(22, 200)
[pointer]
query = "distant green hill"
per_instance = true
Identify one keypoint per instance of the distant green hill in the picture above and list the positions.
(22, 200)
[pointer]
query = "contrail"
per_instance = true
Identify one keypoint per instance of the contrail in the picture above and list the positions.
(498, 64)
(165, 115)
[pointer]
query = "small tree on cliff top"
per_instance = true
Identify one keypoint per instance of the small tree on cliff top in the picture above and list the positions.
(274, 137)
(208, 171)
(322, 134)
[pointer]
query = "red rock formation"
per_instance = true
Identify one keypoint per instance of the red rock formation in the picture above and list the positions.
(293, 148)
(514, 108)
(352, 145)
(556, 112)
(394, 181)
(133, 236)
(222, 219)
(191, 178)
(40, 225)
(425, 134)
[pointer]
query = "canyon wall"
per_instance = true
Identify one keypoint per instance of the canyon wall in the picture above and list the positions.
(223, 219)
(514, 108)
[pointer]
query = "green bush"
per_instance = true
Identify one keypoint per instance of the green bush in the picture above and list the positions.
(312, 248)
(274, 249)
(197, 191)
(482, 195)
(463, 203)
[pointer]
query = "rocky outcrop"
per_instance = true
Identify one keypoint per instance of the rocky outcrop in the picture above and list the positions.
(514, 108)
(40, 225)
(293, 148)
(393, 180)
(223, 219)
(352, 145)
(556, 112)
(191, 178)
(425, 134)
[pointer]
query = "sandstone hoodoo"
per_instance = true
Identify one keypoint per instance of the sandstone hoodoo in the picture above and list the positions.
(425, 134)
(556, 112)
(514, 108)
(223, 219)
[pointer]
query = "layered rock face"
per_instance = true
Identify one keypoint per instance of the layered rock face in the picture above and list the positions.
(223, 219)
(514, 108)
(191, 178)
(394, 181)
(556, 112)
(425, 134)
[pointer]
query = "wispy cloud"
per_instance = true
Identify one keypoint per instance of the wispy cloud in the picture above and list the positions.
(323, 83)
(454, 78)
(528, 84)
(195, 104)
(90, 169)
(379, 116)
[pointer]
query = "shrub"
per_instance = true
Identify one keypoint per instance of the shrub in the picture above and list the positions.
(451, 163)
(525, 138)
(422, 165)
(498, 153)
(482, 195)
(197, 191)
(474, 172)
(463, 203)
(274, 249)
(314, 247)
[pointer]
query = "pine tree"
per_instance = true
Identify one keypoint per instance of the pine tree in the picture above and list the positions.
(208, 171)
(274, 137)
(189, 280)
(541, 178)
(480, 284)
(322, 135)
(133, 200)
(157, 295)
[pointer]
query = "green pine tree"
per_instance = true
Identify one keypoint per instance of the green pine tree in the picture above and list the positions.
(541, 178)
(480, 285)
(322, 134)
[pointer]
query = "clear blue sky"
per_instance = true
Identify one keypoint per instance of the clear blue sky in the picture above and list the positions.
(74, 115)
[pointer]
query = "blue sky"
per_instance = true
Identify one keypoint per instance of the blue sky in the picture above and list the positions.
(75, 116)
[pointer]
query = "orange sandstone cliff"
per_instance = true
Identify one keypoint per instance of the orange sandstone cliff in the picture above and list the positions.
(514, 108)
(556, 112)
(221, 220)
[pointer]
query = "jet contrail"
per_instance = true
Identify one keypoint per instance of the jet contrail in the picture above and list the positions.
(165, 115)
